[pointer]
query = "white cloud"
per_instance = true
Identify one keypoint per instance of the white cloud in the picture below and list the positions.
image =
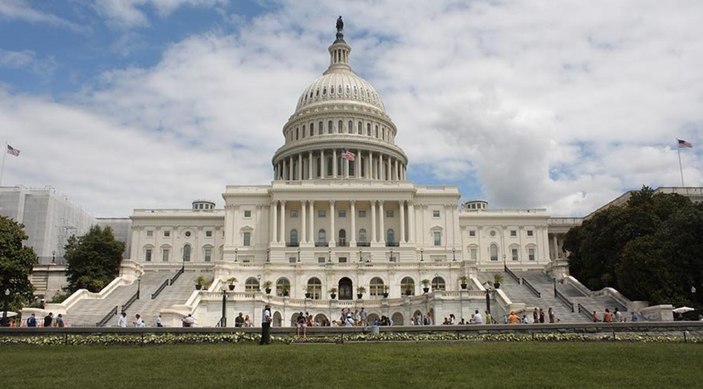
(26, 59)
(21, 10)
(560, 105)
(132, 13)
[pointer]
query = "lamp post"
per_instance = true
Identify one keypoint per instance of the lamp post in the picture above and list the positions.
(453, 255)
(268, 255)
(139, 287)
(422, 255)
(390, 257)
(329, 255)
(223, 320)
(360, 256)
(235, 254)
(53, 256)
(6, 297)
(298, 254)
(488, 299)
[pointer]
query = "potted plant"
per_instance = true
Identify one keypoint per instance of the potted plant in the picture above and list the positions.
(308, 292)
(360, 292)
(497, 279)
(285, 290)
(463, 280)
(408, 290)
(200, 282)
(231, 282)
(333, 293)
(425, 285)
(267, 286)
(386, 288)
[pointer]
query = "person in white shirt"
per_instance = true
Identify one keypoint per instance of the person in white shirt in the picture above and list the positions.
(478, 319)
(139, 322)
(122, 321)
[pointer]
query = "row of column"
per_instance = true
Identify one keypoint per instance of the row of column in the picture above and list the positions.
(307, 217)
(315, 164)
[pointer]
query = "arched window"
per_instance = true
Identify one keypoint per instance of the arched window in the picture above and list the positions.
(186, 252)
(251, 285)
(322, 236)
(293, 238)
(438, 284)
(314, 288)
(376, 287)
(329, 126)
(390, 236)
(319, 129)
(342, 238)
(350, 127)
(407, 286)
(282, 287)
(494, 252)
(340, 126)
(362, 235)
(368, 129)
(359, 128)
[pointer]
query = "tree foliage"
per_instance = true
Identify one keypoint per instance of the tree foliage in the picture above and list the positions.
(93, 259)
(648, 249)
(16, 263)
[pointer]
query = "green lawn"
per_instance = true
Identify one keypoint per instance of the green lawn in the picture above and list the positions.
(370, 365)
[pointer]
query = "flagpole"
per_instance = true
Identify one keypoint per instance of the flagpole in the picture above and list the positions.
(678, 148)
(2, 169)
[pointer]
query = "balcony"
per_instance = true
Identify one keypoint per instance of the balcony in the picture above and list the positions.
(321, 244)
(363, 244)
(292, 244)
(342, 243)
(391, 244)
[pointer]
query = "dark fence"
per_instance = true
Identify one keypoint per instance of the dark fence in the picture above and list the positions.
(511, 274)
(531, 288)
(107, 317)
(178, 274)
(160, 288)
(564, 300)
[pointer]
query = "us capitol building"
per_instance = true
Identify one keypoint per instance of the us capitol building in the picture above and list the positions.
(339, 227)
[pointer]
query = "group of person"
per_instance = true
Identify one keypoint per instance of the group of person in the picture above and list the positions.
(49, 321)
(138, 322)
(476, 318)
(243, 321)
(614, 316)
(347, 318)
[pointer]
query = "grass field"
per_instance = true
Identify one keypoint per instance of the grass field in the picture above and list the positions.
(368, 365)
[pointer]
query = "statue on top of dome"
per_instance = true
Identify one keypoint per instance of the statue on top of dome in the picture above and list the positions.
(340, 24)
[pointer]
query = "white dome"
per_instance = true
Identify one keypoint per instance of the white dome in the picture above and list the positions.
(340, 85)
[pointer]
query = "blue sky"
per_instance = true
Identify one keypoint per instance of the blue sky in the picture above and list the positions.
(123, 104)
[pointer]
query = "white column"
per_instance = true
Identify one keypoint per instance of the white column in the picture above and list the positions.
(303, 225)
(554, 254)
(300, 166)
(323, 171)
(352, 209)
(369, 167)
(357, 171)
(373, 221)
(381, 219)
(312, 221)
(402, 221)
(310, 160)
(380, 167)
(411, 222)
(274, 222)
(334, 163)
(331, 216)
(229, 231)
(395, 169)
(282, 234)
(290, 167)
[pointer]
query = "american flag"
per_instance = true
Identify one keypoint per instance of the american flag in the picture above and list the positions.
(683, 143)
(348, 155)
(13, 151)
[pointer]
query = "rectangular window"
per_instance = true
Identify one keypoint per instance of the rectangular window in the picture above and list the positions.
(472, 233)
(389, 213)
(513, 252)
(437, 238)
(342, 213)
(513, 233)
(147, 255)
(342, 259)
(167, 234)
(474, 254)
(294, 214)
(150, 233)
(246, 239)
(208, 234)
(247, 213)
(208, 255)
(362, 213)
(291, 259)
(435, 213)
(530, 233)
(320, 259)
(531, 254)
(165, 254)
(321, 213)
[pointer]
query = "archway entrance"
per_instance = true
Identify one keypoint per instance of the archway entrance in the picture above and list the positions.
(345, 289)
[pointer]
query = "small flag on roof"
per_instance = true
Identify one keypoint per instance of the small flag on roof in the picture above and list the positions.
(13, 151)
(683, 143)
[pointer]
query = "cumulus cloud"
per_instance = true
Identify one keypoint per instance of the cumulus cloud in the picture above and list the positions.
(21, 10)
(558, 105)
(26, 59)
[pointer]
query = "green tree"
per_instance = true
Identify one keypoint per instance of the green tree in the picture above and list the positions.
(646, 248)
(93, 259)
(16, 262)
